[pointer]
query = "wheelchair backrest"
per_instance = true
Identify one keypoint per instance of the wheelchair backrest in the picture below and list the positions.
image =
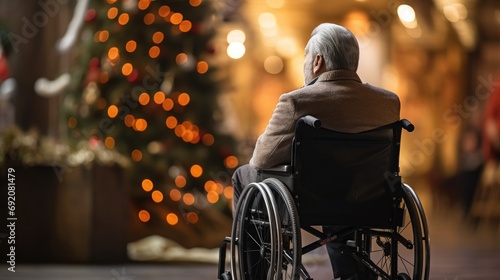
(344, 178)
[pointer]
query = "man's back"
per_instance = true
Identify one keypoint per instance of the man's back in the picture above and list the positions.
(338, 99)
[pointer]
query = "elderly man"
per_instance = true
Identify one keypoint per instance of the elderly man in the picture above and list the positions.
(333, 93)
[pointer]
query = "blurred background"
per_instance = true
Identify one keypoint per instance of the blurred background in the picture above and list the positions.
(123, 121)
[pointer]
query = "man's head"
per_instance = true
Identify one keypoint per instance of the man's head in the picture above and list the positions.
(331, 47)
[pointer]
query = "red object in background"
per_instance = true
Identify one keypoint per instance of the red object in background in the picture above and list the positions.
(4, 68)
(491, 125)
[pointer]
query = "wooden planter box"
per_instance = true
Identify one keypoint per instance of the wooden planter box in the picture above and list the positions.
(70, 214)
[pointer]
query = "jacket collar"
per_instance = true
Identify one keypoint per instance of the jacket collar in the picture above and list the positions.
(336, 75)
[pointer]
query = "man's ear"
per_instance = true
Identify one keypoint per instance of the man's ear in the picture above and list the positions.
(318, 64)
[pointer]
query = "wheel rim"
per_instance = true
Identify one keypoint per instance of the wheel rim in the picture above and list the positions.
(409, 260)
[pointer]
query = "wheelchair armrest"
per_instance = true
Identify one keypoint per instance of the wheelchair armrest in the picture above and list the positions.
(278, 168)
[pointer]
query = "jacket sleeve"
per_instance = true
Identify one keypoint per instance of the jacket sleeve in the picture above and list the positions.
(274, 146)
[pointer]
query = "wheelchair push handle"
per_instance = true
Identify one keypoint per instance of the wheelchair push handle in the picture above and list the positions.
(407, 125)
(312, 121)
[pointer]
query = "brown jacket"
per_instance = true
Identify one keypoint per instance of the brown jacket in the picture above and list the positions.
(338, 99)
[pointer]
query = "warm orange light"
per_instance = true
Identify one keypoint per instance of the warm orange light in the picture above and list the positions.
(179, 130)
(72, 122)
(157, 196)
(131, 46)
(159, 97)
(112, 111)
(231, 162)
(147, 185)
(185, 26)
(103, 78)
(163, 11)
(140, 124)
(144, 216)
(212, 197)
(188, 199)
(158, 37)
(154, 52)
(219, 189)
(123, 19)
(103, 36)
(192, 217)
(208, 139)
(202, 67)
(176, 18)
(112, 12)
(172, 219)
(144, 98)
(109, 142)
(129, 120)
(228, 192)
(195, 3)
(210, 186)
(136, 155)
(175, 195)
(168, 104)
(149, 18)
(113, 53)
(180, 181)
(127, 69)
(196, 170)
(143, 4)
(181, 58)
(171, 122)
(183, 99)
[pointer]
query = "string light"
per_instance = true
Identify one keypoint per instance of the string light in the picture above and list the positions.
(131, 46)
(195, 3)
(228, 192)
(144, 99)
(159, 97)
(112, 12)
(154, 52)
(167, 105)
(123, 19)
(149, 18)
(129, 120)
(175, 195)
(72, 122)
(231, 162)
(144, 216)
(212, 197)
(109, 142)
(112, 111)
(176, 18)
(158, 37)
(136, 155)
(188, 199)
(147, 185)
(157, 196)
(171, 122)
(185, 26)
(163, 11)
(192, 217)
(196, 170)
(183, 99)
(172, 219)
(180, 181)
(202, 67)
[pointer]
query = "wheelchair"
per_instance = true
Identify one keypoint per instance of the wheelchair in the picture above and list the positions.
(350, 181)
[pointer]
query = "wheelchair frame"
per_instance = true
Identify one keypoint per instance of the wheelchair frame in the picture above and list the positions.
(266, 239)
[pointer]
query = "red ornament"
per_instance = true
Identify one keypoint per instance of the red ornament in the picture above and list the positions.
(90, 15)
(4, 68)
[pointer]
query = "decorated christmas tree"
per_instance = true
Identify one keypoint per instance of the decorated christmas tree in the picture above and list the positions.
(144, 85)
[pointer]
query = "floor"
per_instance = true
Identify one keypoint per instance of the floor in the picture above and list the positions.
(460, 250)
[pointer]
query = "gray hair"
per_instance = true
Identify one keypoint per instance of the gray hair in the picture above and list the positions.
(337, 45)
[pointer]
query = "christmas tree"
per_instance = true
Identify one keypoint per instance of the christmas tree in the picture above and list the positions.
(144, 85)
